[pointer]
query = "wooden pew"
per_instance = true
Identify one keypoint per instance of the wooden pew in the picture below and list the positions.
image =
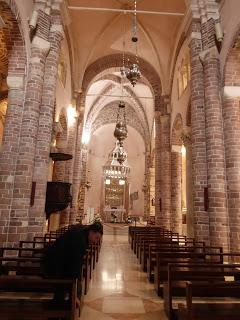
(32, 308)
(148, 254)
(209, 310)
(137, 230)
(180, 274)
(166, 258)
(155, 238)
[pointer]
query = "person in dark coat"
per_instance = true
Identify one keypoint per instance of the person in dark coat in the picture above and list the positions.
(63, 259)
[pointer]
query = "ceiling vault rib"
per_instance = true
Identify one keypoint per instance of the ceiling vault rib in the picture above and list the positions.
(126, 11)
(115, 96)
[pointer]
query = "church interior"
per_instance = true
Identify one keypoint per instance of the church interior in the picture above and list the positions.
(126, 114)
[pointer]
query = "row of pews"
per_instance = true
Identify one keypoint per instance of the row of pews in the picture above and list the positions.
(182, 267)
(26, 294)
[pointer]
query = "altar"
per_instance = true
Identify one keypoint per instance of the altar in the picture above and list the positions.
(114, 215)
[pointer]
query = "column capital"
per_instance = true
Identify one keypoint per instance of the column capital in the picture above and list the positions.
(41, 44)
(157, 114)
(231, 91)
(56, 4)
(57, 28)
(211, 53)
(164, 118)
(186, 136)
(176, 148)
(203, 9)
(40, 5)
(15, 82)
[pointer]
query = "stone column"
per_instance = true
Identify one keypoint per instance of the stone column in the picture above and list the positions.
(199, 162)
(176, 189)
(29, 128)
(165, 182)
(40, 175)
(217, 206)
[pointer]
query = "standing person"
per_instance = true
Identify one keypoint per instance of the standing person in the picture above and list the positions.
(64, 258)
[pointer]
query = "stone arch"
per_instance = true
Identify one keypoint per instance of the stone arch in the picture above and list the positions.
(138, 105)
(13, 54)
(177, 130)
(115, 60)
(12, 45)
(108, 115)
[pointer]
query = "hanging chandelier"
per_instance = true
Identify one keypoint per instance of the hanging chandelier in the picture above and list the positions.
(120, 132)
(117, 165)
(133, 73)
(119, 153)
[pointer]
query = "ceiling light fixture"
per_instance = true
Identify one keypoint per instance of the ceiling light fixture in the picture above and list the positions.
(133, 73)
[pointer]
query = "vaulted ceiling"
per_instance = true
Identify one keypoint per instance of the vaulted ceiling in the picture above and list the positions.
(98, 33)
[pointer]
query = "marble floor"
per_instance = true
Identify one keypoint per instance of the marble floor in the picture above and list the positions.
(119, 289)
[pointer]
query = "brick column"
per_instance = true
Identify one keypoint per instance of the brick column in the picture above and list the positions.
(82, 190)
(40, 175)
(217, 207)
(147, 183)
(186, 139)
(176, 189)
(76, 173)
(157, 167)
(25, 162)
(165, 181)
(69, 167)
(199, 162)
(231, 114)
(8, 154)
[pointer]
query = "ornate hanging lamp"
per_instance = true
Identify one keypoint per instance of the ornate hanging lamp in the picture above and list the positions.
(133, 73)
(120, 132)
